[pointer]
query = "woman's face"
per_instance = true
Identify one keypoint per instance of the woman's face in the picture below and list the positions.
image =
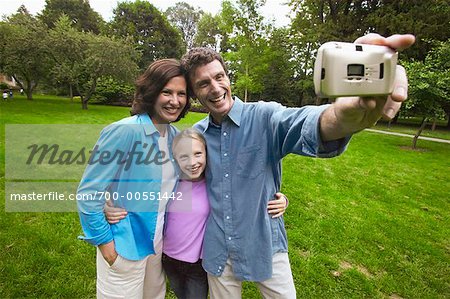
(170, 102)
(190, 155)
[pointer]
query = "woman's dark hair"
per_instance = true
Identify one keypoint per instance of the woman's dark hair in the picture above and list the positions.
(197, 57)
(150, 84)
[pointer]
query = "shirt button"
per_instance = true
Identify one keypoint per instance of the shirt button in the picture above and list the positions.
(225, 154)
(224, 133)
(226, 196)
(229, 238)
(220, 267)
(226, 175)
(228, 217)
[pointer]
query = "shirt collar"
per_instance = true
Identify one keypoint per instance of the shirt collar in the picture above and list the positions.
(235, 114)
(149, 127)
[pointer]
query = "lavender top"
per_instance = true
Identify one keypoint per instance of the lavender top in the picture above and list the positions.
(186, 222)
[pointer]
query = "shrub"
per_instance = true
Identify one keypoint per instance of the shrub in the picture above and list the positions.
(112, 92)
(197, 107)
(3, 86)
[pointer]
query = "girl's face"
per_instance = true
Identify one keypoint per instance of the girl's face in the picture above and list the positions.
(170, 102)
(190, 155)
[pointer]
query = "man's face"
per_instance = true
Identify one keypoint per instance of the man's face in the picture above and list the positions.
(211, 86)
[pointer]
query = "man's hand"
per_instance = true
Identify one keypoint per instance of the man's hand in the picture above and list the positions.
(113, 215)
(352, 114)
(278, 205)
(109, 253)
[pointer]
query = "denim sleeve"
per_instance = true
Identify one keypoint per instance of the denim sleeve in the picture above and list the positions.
(297, 131)
(97, 178)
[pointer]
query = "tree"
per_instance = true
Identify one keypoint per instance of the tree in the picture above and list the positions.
(209, 33)
(325, 20)
(81, 59)
(148, 29)
(429, 91)
(427, 20)
(278, 81)
(104, 56)
(185, 18)
(82, 16)
(245, 44)
(24, 51)
(67, 52)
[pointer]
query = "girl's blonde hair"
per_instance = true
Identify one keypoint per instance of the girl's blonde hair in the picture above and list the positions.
(189, 133)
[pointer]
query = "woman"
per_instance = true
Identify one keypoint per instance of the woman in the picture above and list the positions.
(132, 165)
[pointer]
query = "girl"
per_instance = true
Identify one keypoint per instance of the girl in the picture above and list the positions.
(186, 219)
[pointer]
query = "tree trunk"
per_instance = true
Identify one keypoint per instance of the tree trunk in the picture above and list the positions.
(71, 92)
(85, 100)
(422, 126)
(433, 126)
(395, 119)
(448, 121)
(84, 103)
(29, 94)
(245, 92)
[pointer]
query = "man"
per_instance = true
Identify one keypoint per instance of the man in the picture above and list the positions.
(246, 143)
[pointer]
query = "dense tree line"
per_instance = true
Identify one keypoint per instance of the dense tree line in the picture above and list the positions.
(69, 46)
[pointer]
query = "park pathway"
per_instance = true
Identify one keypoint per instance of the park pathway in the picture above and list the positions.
(410, 136)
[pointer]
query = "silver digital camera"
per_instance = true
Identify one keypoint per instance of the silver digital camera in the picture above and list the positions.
(346, 69)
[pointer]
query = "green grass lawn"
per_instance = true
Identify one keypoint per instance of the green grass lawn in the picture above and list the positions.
(411, 129)
(372, 223)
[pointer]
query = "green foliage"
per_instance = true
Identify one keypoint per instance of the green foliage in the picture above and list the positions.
(67, 52)
(209, 33)
(321, 21)
(80, 14)
(23, 50)
(185, 17)
(148, 30)
(246, 45)
(111, 91)
(105, 57)
(196, 106)
(280, 80)
(427, 20)
(429, 81)
(83, 58)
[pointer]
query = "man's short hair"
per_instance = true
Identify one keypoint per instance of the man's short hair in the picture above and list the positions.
(197, 57)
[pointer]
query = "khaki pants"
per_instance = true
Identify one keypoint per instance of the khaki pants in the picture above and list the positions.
(281, 285)
(130, 279)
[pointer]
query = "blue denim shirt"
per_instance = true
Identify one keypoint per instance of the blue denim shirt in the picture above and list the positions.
(133, 183)
(244, 172)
